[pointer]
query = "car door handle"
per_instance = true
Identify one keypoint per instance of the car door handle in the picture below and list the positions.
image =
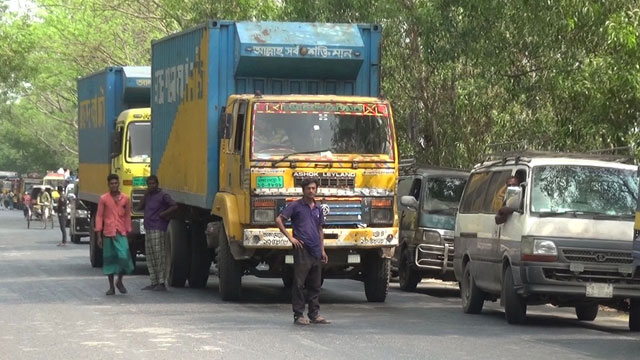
(469, 234)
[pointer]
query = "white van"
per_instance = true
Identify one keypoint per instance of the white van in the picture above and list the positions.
(567, 238)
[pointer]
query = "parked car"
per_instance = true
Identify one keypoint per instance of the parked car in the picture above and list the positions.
(568, 241)
(427, 208)
(80, 224)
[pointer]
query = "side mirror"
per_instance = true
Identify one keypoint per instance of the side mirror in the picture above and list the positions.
(116, 144)
(410, 202)
(513, 197)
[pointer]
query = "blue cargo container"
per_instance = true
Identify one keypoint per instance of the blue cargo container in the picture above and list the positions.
(102, 96)
(195, 71)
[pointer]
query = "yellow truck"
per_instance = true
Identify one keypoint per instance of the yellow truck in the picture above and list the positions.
(242, 113)
(114, 136)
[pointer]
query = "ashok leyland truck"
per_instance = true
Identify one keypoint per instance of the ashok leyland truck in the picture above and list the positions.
(114, 136)
(242, 113)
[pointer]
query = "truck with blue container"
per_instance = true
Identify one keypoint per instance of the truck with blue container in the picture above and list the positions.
(114, 137)
(242, 113)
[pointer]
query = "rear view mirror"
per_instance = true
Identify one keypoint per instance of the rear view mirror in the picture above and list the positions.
(513, 197)
(116, 144)
(410, 202)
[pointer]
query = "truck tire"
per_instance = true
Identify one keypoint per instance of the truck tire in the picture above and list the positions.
(376, 277)
(587, 312)
(230, 270)
(408, 278)
(95, 253)
(515, 307)
(634, 315)
(179, 257)
(200, 261)
(472, 297)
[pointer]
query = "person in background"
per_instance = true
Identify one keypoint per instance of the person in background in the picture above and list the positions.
(61, 211)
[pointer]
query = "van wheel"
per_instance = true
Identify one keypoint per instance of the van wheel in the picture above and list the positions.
(408, 278)
(200, 261)
(634, 315)
(515, 307)
(95, 253)
(587, 312)
(376, 277)
(230, 270)
(179, 259)
(75, 239)
(472, 297)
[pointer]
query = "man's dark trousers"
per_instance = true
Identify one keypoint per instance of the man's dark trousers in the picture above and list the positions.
(307, 270)
(62, 220)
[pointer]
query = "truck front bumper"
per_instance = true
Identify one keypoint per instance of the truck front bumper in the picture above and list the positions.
(272, 238)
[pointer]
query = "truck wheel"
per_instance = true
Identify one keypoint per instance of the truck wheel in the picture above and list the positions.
(95, 253)
(472, 297)
(200, 261)
(515, 307)
(229, 269)
(376, 277)
(634, 315)
(75, 239)
(407, 276)
(179, 255)
(587, 312)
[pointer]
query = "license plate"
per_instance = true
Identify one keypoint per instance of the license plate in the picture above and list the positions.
(599, 290)
(142, 226)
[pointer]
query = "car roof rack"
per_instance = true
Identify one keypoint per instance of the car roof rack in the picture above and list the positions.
(525, 156)
(411, 165)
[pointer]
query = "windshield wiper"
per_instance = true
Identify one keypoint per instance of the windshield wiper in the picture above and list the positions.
(298, 153)
(575, 213)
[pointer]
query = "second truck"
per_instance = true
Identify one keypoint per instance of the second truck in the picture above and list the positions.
(242, 112)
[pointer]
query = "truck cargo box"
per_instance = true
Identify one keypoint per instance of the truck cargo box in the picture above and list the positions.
(101, 97)
(195, 71)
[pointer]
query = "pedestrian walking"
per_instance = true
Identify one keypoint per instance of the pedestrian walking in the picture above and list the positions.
(308, 252)
(157, 206)
(113, 223)
(61, 211)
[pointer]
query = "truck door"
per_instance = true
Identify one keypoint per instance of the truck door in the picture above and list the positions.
(233, 179)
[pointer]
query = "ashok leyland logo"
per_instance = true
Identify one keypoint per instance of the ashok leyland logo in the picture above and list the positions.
(325, 209)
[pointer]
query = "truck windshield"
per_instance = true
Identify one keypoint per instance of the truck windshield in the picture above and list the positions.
(284, 128)
(441, 198)
(139, 148)
(584, 190)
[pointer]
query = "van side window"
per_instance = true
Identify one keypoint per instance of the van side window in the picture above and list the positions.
(474, 193)
(495, 192)
(415, 189)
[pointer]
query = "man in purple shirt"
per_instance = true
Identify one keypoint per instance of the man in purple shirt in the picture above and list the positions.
(157, 206)
(308, 252)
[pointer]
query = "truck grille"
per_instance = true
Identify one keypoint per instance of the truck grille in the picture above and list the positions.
(595, 276)
(597, 256)
(136, 198)
(341, 211)
(330, 182)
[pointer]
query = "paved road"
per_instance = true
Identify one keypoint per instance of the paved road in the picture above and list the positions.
(52, 307)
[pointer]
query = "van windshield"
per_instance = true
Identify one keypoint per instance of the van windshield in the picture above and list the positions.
(139, 149)
(584, 190)
(441, 199)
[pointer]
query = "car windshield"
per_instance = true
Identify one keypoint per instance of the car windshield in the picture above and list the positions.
(441, 199)
(564, 189)
(285, 128)
(139, 149)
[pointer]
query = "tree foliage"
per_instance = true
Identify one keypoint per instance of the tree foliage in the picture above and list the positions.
(461, 74)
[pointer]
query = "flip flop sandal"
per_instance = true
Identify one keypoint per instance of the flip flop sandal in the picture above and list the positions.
(121, 288)
(301, 321)
(320, 320)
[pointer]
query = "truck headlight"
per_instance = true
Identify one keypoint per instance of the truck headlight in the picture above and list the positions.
(264, 215)
(82, 213)
(382, 216)
(430, 237)
(532, 249)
